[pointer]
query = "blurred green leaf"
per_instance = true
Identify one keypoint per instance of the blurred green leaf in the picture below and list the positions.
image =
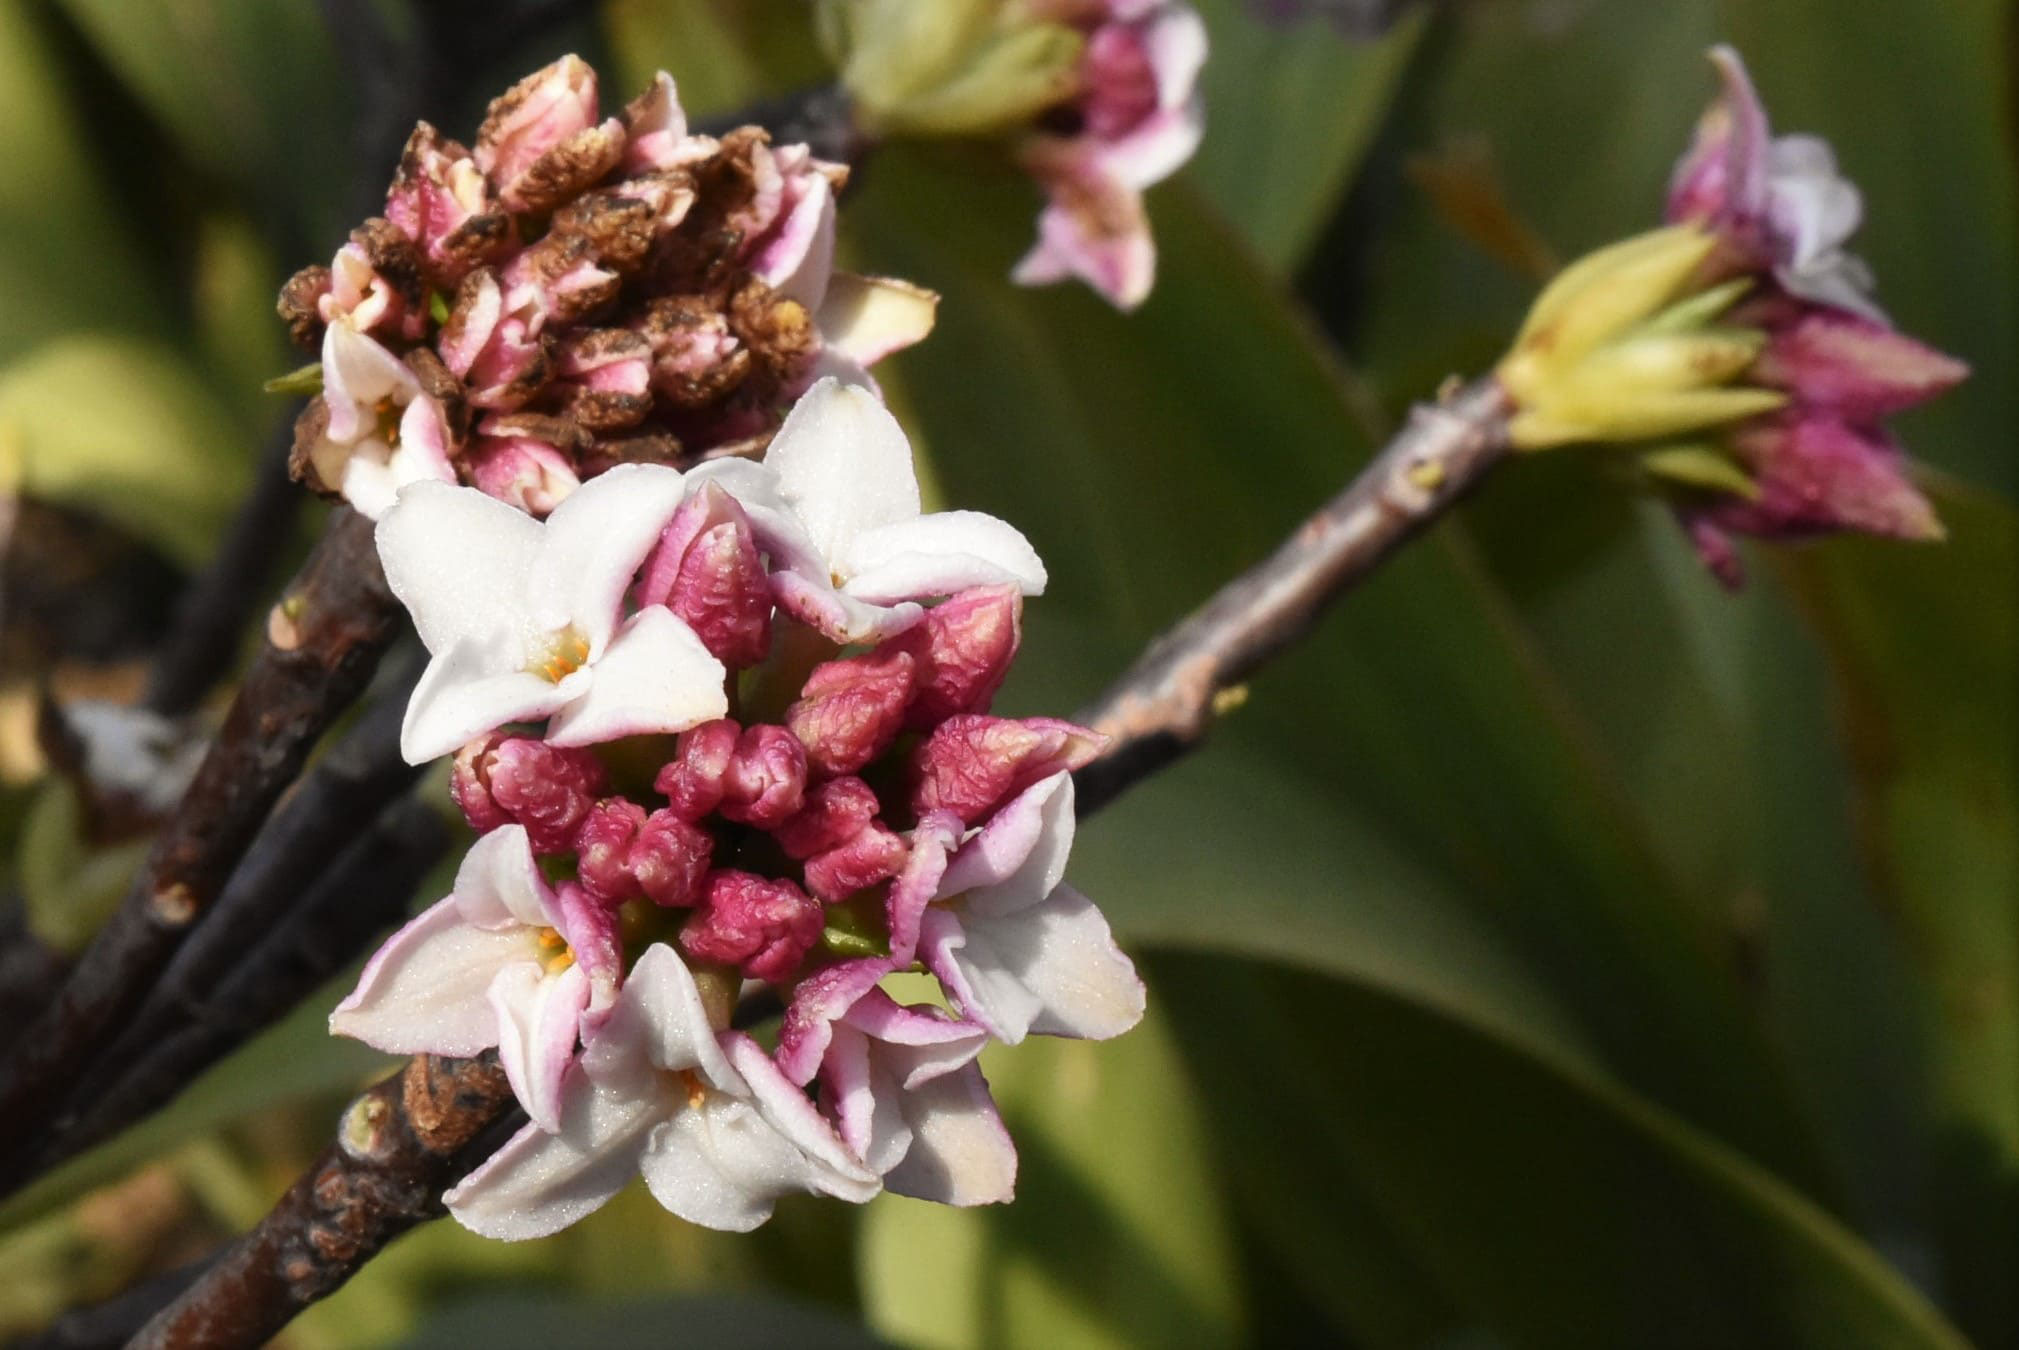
(125, 429)
(64, 260)
(1116, 1237)
(723, 53)
(69, 888)
(1290, 112)
(1560, 1210)
(249, 90)
(509, 1322)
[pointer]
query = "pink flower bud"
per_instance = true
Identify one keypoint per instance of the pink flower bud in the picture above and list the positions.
(1857, 367)
(605, 382)
(500, 779)
(557, 281)
(971, 763)
(655, 129)
(1118, 82)
(692, 781)
(766, 780)
(707, 570)
(961, 652)
(603, 850)
(851, 710)
(669, 859)
(494, 352)
(764, 927)
(526, 472)
(540, 143)
(874, 854)
(440, 201)
(834, 813)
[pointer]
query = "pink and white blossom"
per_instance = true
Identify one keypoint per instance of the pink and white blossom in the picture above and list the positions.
(524, 619)
(382, 431)
(704, 1115)
(506, 961)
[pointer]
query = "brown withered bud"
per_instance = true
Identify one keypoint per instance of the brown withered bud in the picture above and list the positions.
(778, 332)
(563, 433)
(298, 306)
(311, 429)
(618, 228)
(605, 375)
(702, 255)
(656, 447)
(568, 169)
(696, 359)
(568, 275)
(394, 257)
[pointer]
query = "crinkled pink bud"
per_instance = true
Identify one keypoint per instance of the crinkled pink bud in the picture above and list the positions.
(494, 352)
(766, 780)
(1856, 367)
(707, 570)
(961, 652)
(834, 813)
(540, 139)
(501, 779)
(670, 858)
(692, 781)
(971, 763)
(440, 200)
(603, 850)
(851, 710)
(522, 470)
(762, 926)
(874, 854)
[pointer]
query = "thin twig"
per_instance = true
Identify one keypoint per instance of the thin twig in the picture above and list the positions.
(323, 641)
(1167, 701)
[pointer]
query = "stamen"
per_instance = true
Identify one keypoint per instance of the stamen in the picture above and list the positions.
(562, 655)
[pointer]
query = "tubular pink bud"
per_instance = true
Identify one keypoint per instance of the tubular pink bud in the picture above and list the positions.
(692, 781)
(766, 779)
(961, 652)
(522, 471)
(669, 859)
(834, 813)
(971, 763)
(764, 927)
(603, 850)
(851, 710)
(706, 569)
(501, 779)
(874, 854)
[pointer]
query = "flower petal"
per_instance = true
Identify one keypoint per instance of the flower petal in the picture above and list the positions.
(960, 1154)
(837, 617)
(657, 676)
(938, 555)
(425, 990)
(916, 1043)
(465, 692)
(868, 318)
(797, 257)
(659, 1020)
(1053, 969)
(499, 885)
(1019, 857)
(595, 541)
(921, 881)
(844, 465)
(863, 1102)
(357, 375)
(539, 1017)
(539, 1183)
(818, 1002)
(459, 561)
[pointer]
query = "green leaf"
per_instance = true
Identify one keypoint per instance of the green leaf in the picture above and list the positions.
(1116, 1237)
(1556, 1208)
(1290, 114)
(725, 54)
(126, 430)
(506, 1321)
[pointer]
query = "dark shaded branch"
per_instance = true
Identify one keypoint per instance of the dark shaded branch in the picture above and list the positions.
(324, 640)
(312, 934)
(110, 1324)
(821, 117)
(399, 1146)
(31, 971)
(1167, 701)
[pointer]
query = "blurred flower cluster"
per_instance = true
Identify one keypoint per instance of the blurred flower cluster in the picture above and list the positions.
(1739, 349)
(575, 292)
(719, 730)
(1098, 97)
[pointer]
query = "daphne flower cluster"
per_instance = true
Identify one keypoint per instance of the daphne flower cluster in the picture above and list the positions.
(576, 292)
(722, 729)
(1738, 350)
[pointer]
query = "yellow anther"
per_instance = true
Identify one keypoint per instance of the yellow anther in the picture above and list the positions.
(562, 655)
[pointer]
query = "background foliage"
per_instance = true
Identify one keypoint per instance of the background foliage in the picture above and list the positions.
(1553, 951)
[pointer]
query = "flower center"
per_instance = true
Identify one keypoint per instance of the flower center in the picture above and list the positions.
(559, 656)
(388, 415)
(697, 1091)
(555, 954)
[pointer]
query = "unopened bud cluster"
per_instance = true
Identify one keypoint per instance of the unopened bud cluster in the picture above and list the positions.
(1737, 350)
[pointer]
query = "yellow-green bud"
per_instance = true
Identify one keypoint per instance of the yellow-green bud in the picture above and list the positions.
(948, 67)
